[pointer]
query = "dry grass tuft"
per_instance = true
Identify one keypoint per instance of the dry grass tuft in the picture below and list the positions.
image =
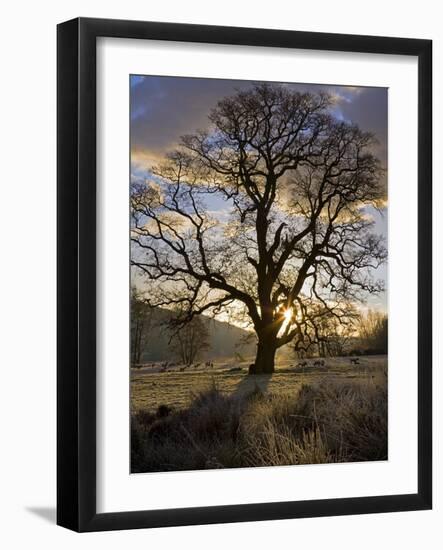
(329, 420)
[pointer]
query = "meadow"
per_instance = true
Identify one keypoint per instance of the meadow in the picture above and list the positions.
(217, 416)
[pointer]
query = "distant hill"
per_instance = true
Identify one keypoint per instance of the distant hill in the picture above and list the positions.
(225, 340)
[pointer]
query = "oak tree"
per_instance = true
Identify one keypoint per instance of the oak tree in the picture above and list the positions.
(295, 242)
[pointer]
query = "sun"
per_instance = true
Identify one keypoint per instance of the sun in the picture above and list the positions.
(287, 318)
(288, 314)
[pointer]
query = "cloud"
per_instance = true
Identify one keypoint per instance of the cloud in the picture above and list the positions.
(164, 108)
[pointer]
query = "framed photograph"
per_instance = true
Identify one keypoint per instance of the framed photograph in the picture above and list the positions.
(244, 274)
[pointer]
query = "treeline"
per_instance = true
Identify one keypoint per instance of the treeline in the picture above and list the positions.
(373, 333)
(152, 327)
(155, 338)
(362, 334)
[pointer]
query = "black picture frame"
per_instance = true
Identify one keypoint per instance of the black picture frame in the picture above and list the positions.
(77, 248)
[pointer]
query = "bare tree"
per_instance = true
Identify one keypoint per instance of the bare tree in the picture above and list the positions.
(141, 318)
(373, 331)
(328, 333)
(189, 339)
(298, 243)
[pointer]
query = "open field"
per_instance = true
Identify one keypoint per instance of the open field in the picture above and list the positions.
(151, 388)
(217, 417)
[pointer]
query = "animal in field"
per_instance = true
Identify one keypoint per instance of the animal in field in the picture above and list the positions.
(235, 369)
(302, 364)
(355, 361)
(319, 363)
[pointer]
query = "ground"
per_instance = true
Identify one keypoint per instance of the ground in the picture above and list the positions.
(157, 384)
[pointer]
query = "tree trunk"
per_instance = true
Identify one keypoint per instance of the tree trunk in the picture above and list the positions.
(265, 358)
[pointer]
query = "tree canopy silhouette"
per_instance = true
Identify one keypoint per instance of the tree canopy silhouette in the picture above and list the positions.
(296, 242)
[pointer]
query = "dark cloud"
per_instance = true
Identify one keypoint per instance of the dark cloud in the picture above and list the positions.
(369, 109)
(164, 108)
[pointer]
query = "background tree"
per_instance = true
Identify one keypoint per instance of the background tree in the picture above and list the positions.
(298, 244)
(190, 339)
(373, 332)
(329, 334)
(141, 318)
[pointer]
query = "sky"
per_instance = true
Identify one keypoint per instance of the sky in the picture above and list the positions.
(164, 108)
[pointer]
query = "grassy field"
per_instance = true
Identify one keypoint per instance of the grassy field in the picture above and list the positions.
(220, 417)
(151, 388)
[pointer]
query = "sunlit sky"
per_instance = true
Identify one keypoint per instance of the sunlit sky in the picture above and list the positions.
(164, 108)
